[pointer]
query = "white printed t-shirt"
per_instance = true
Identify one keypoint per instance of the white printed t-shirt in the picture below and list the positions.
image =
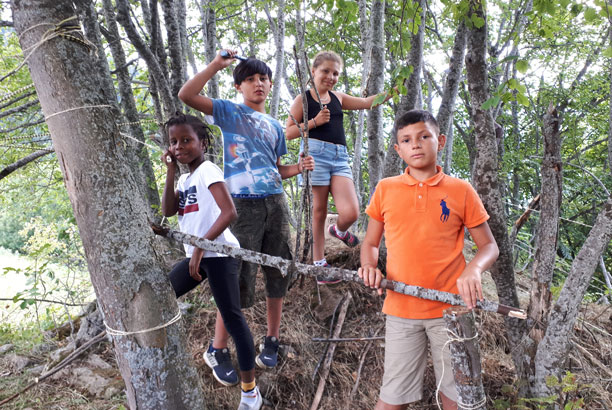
(198, 209)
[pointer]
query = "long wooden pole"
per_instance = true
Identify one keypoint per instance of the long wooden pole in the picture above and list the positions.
(329, 273)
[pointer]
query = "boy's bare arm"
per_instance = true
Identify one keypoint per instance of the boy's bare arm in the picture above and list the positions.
(169, 200)
(369, 271)
(469, 283)
(190, 91)
(288, 171)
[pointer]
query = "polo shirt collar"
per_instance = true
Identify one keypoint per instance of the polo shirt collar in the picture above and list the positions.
(432, 181)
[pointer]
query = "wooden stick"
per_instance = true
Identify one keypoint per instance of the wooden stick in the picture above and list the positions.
(347, 339)
(314, 87)
(330, 353)
(67, 360)
(465, 358)
(329, 273)
(364, 354)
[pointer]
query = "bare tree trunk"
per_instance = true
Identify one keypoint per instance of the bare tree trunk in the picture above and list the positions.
(610, 116)
(393, 163)
(278, 28)
(128, 105)
(132, 289)
(548, 229)
(449, 95)
(553, 350)
(175, 47)
(376, 153)
(181, 16)
(366, 58)
(209, 27)
(485, 174)
(156, 70)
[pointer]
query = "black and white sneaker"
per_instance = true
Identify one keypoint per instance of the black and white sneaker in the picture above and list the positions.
(220, 361)
(268, 358)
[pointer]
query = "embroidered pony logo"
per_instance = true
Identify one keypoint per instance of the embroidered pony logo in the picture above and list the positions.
(445, 211)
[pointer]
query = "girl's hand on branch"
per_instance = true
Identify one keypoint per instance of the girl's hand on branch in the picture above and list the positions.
(322, 117)
(194, 264)
(306, 163)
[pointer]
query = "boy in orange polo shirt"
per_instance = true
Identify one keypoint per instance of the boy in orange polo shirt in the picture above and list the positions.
(423, 213)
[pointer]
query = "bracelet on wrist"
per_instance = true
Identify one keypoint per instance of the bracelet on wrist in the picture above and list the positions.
(315, 123)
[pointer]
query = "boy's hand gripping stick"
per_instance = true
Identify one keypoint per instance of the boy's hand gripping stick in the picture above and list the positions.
(225, 54)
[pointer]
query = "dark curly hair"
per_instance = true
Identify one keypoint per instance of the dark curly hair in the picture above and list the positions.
(202, 130)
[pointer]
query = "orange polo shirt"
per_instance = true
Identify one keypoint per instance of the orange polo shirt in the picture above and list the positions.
(424, 230)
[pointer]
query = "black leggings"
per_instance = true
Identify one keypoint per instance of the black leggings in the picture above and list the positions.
(222, 274)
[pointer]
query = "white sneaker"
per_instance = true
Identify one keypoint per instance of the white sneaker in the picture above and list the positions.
(251, 400)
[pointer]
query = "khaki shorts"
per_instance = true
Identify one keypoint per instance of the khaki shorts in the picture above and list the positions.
(406, 358)
(262, 226)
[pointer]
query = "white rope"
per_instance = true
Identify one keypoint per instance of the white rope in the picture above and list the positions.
(115, 332)
(77, 108)
(455, 338)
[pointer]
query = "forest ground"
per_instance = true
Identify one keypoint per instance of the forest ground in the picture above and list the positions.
(292, 385)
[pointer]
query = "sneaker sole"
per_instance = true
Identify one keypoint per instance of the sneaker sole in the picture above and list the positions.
(331, 282)
(217, 378)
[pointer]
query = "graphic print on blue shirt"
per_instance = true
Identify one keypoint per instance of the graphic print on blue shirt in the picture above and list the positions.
(188, 201)
(445, 211)
(252, 142)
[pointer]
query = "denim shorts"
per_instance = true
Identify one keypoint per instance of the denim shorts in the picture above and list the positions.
(330, 159)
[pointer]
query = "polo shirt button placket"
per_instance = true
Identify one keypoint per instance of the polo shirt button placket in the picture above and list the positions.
(421, 197)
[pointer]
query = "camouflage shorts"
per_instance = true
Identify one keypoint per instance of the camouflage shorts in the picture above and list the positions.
(262, 226)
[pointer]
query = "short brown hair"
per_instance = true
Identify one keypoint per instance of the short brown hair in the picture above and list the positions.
(325, 56)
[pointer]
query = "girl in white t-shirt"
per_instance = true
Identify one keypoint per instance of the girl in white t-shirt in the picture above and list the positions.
(205, 209)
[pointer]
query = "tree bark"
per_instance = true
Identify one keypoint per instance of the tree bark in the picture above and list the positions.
(175, 48)
(132, 289)
(156, 70)
(485, 171)
(376, 153)
(393, 162)
(546, 244)
(278, 29)
(128, 105)
(366, 58)
(465, 358)
(553, 350)
(449, 96)
(209, 28)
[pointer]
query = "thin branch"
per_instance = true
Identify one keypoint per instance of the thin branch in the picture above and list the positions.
(58, 302)
(23, 162)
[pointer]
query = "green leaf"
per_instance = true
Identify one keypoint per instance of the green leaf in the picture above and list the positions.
(522, 66)
(490, 103)
(477, 20)
(380, 98)
(522, 99)
(608, 52)
(590, 14)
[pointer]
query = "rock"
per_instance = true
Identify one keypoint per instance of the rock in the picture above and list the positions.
(91, 325)
(6, 348)
(96, 361)
(18, 363)
(44, 348)
(329, 302)
(84, 379)
(36, 371)
(110, 392)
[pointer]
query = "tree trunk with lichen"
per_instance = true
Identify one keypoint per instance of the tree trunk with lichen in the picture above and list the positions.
(132, 288)
(485, 172)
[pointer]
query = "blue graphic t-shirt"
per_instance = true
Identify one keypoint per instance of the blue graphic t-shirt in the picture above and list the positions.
(252, 142)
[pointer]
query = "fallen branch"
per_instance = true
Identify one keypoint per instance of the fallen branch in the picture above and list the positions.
(328, 273)
(330, 353)
(71, 357)
(347, 339)
(362, 358)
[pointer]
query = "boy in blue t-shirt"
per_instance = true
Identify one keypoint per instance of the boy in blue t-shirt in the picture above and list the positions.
(253, 143)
